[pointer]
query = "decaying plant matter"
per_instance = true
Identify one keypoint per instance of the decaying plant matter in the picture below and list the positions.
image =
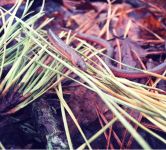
(101, 51)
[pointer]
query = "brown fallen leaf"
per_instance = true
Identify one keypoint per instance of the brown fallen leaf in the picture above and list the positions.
(7, 2)
(81, 103)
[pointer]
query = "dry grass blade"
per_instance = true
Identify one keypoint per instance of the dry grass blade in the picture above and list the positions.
(27, 57)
